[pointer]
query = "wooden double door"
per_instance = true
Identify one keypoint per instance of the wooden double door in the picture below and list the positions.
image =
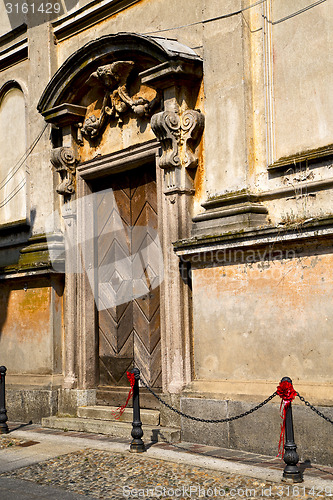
(128, 267)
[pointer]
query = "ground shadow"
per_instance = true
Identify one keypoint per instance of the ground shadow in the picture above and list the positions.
(20, 426)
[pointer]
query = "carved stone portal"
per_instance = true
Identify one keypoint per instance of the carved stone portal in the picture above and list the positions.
(179, 135)
(113, 77)
(64, 161)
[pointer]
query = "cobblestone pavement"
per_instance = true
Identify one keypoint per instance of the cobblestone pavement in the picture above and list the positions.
(112, 476)
(238, 456)
(8, 441)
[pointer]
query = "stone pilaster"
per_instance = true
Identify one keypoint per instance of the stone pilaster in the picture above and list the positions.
(178, 129)
(65, 119)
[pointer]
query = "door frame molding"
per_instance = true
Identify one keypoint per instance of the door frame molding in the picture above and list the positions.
(87, 317)
(175, 72)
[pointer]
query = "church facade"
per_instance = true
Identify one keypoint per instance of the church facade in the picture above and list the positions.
(165, 203)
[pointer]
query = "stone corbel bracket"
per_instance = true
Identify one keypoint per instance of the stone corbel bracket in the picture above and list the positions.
(179, 134)
(64, 161)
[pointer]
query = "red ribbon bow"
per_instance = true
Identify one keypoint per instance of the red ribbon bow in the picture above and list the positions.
(119, 411)
(287, 393)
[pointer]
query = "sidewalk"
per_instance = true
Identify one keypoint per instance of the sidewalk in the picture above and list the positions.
(73, 466)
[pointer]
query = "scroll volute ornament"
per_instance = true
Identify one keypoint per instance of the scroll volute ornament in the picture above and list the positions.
(64, 161)
(179, 134)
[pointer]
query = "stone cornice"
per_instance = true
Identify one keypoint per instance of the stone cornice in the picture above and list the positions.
(119, 161)
(245, 196)
(34, 258)
(312, 155)
(240, 208)
(14, 54)
(7, 38)
(65, 114)
(177, 69)
(87, 16)
(232, 198)
(15, 227)
(284, 234)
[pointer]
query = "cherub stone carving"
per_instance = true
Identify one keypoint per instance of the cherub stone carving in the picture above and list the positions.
(113, 77)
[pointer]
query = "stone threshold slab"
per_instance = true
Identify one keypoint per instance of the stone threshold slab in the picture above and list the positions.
(148, 417)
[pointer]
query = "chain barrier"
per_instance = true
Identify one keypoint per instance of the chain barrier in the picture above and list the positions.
(236, 417)
(208, 421)
(314, 409)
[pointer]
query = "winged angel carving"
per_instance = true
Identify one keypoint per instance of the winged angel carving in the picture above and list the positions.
(117, 101)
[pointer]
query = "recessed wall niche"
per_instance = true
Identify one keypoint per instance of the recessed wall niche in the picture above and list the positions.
(12, 158)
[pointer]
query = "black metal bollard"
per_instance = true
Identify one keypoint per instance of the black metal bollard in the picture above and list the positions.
(291, 472)
(137, 445)
(3, 412)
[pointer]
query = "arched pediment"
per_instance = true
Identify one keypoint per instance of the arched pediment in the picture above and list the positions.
(69, 82)
(123, 89)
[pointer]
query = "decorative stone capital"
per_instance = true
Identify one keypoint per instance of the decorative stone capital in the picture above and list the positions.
(167, 128)
(64, 161)
(192, 125)
(179, 135)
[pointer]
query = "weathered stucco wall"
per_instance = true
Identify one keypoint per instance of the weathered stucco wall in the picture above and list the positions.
(144, 17)
(27, 341)
(266, 79)
(265, 95)
(225, 105)
(260, 321)
(302, 65)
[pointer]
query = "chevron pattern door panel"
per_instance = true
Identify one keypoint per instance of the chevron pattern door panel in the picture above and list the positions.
(128, 277)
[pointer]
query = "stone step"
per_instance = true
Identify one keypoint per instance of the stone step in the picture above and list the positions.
(116, 429)
(116, 396)
(148, 417)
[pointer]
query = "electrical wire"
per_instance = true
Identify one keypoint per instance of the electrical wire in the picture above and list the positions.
(10, 174)
(235, 13)
(223, 16)
(13, 193)
(296, 13)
